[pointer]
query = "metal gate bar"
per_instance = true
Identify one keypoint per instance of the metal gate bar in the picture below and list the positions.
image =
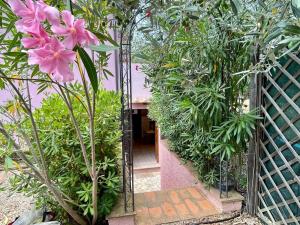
(126, 118)
(125, 78)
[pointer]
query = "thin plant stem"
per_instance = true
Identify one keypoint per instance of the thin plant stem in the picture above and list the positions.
(47, 81)
(95, 176)
(84, 83)
(67, 100)
(34, 127)
(45, 180)
(91, 109)
(19, 152)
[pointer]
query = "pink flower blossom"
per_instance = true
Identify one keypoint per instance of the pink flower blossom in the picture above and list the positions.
(32, 14)
(51, 13)
(38, 39)
(74, 31)
(53, 59)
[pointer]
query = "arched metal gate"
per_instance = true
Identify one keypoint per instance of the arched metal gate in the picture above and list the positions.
(126, 117)
(126, 35)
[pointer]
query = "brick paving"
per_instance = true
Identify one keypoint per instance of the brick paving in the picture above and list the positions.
(153, 208)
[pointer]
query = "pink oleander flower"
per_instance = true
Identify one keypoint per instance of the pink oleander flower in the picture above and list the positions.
(53, 59)
(32, 14)
(38, 39)
(51, 13)
(74, 31)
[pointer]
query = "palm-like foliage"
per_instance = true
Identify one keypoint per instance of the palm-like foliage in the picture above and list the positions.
(199, 74)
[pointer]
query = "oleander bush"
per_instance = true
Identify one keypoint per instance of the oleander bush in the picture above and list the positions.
(69, 146)
(199, 57)
(64, 158)
(198, 90)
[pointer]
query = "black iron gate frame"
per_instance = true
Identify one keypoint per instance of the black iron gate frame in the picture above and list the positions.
(125, 78)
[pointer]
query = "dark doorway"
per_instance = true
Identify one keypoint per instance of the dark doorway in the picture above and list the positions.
(143, 139)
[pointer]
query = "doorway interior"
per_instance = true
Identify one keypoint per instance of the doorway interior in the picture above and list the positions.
(145, 146)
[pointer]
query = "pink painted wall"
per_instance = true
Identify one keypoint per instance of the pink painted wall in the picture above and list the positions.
(36, 99)
(140, 93)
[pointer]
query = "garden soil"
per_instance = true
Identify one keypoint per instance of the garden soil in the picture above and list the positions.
(12, 204)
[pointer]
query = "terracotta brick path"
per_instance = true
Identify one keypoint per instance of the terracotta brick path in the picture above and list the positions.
(159, 207)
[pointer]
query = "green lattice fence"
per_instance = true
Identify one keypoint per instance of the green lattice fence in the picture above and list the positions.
(279, 147)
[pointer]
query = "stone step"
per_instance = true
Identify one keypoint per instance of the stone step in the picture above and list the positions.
(147, 169)
(167, 206)
(158, 207)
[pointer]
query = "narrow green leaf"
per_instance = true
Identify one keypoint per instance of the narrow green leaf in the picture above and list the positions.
(296, 8)
(236, 6)
(248, 131)
(288, 40)
(35, 71)
(8, 163)
(2, 85)
(42, 87)
(14, 53)
(14, 42)
(145, 29)
(103, 48)
(19, 58)
(68, 5)
(292, 29)
(86, 211)
(107, 72)
(276, 33)
(4, 5)
(8, 29)
(103, 38)
(90, 67)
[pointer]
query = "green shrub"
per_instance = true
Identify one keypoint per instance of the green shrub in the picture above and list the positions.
(64, 156)
(197, 86)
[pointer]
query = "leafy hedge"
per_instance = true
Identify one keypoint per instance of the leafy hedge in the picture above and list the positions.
(194, 66)
(64, 155)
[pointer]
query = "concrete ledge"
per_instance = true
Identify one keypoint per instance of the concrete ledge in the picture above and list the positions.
(178, 174)
(225, 205)
(123, 220)
(118, 216)
(147, 169)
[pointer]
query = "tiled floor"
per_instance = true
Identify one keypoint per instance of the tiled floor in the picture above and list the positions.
(159, 207)
(145, 182)
(144, 156)
(146, 168)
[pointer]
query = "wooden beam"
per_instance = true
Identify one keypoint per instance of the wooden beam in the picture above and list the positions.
(253, 150)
